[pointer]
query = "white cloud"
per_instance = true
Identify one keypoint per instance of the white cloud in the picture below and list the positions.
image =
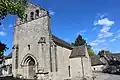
(105, 35)
(106, 24)
(51, 12)
(96, 42)
(112, 40)
(2, 33)
(105, 29)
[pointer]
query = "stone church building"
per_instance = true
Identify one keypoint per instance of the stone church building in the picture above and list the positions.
(39, 54)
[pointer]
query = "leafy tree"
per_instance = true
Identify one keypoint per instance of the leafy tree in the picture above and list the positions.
(12, 7)
(90, 51)
(80, 41)
(3, 48)
(101, 53)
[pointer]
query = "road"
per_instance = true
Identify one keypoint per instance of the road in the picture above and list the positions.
(105, 76)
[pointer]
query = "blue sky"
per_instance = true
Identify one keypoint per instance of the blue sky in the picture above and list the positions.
(97, 21)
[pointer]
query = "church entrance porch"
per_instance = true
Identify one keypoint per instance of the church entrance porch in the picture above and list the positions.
(29, 67)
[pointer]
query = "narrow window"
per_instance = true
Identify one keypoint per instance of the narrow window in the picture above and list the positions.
(26, 17)
(56, 58)
(37, 14)
(32, 15)
(50, 60)
(17, 56)
(28, 46)
(69, 71)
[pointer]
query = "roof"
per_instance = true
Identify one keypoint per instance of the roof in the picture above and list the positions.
(95, 60)
(61, 42)
(78, 51)
(9, 56)
(116, 55)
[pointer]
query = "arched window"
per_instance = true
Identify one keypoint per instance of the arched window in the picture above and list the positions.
(32, 15)
(36, 13)
(26, 17)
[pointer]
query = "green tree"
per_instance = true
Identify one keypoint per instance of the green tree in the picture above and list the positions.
(12, 7)
(3, 47)
(101, 53)
(80, 41)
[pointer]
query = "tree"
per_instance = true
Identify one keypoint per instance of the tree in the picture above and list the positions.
(12, 7)
(3, 47)
(80, 41)
(101, 53)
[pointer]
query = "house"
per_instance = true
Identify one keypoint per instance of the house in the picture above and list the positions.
(6, 66)
(97, 64)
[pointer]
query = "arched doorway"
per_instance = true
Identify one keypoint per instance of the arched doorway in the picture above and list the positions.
(29, 66)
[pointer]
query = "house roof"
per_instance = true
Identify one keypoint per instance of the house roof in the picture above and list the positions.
(95, 60)
(61, 42)
(116, 55)
(8, 56)
(78, 51)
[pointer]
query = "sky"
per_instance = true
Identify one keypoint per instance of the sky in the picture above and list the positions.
(98, 21)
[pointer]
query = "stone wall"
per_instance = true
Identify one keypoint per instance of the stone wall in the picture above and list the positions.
(63, 62)
(27, 36)
(81, 67)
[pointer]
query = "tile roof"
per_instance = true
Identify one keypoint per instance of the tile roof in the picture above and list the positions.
(116, 55)
(61, 42)
(95, 60)
(78, 51)
(8, 56)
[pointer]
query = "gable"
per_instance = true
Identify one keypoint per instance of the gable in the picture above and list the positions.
(78, 51)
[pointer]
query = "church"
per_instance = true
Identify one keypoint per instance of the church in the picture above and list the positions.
(37, 53)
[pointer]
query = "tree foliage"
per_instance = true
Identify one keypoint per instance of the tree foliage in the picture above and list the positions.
(101, 53)
(12, 7)
(3, 47)
(80, 41)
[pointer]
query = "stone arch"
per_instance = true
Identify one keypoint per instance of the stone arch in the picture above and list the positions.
(29, 66)
(37, 13)
(32, 15)
(26, 57)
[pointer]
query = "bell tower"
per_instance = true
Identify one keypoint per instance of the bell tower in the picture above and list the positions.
(31, 36)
